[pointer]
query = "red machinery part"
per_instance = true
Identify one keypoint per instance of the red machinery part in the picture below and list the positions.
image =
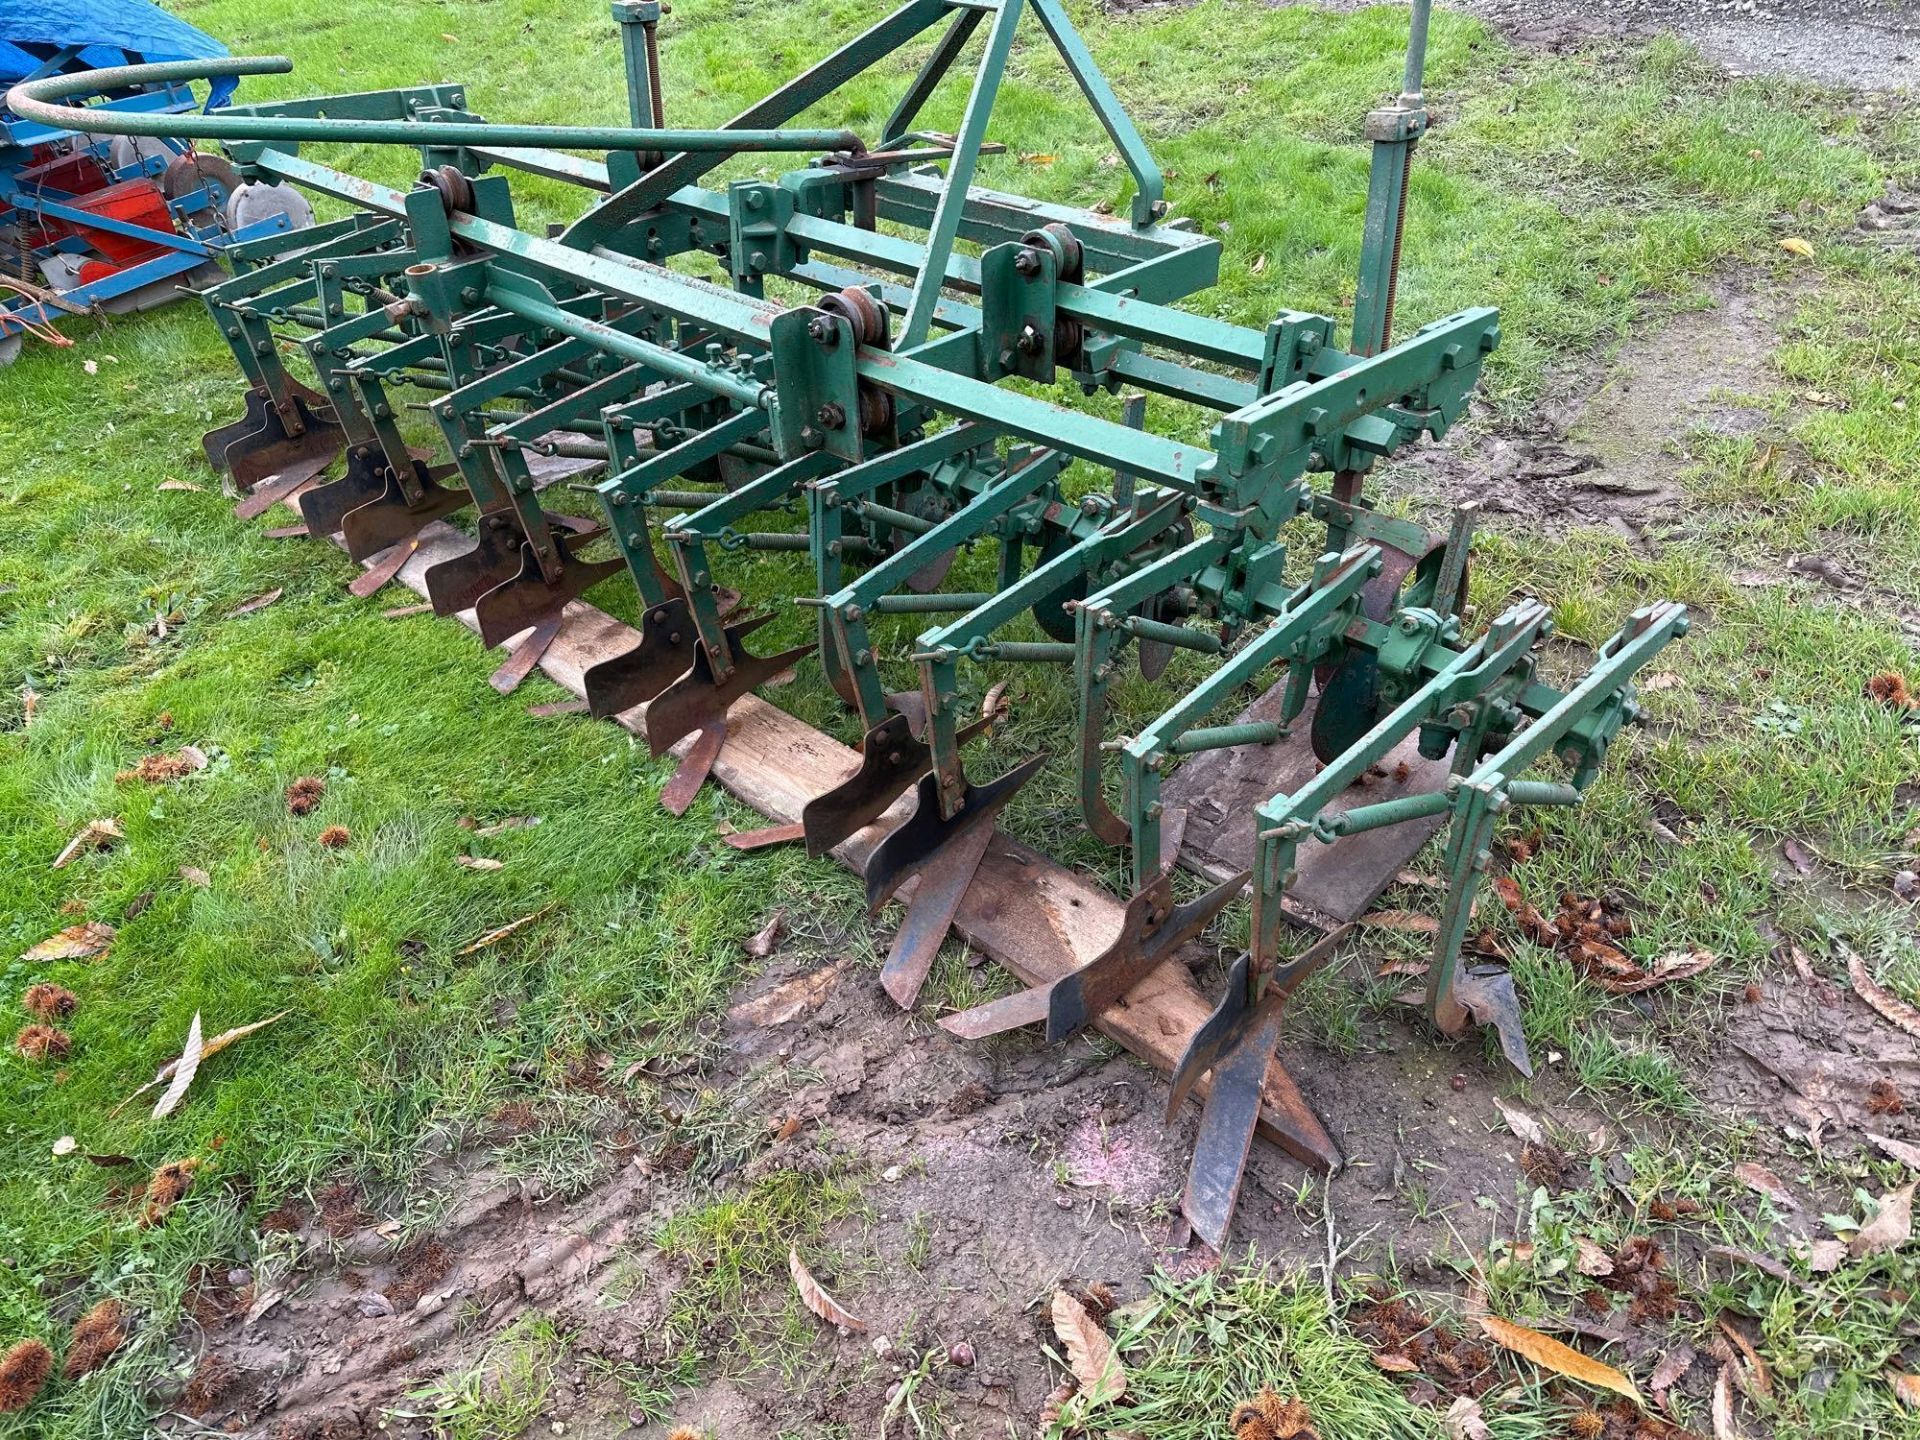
(132, 202)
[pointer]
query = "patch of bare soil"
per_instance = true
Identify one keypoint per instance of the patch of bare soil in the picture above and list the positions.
(1813, 1061)
(1851, 44)
(993, 1175)
(1605, 448)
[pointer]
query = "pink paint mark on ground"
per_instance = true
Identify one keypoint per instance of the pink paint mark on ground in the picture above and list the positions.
(1095, 1155)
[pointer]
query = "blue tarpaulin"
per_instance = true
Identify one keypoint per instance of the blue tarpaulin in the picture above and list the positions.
(107, 32)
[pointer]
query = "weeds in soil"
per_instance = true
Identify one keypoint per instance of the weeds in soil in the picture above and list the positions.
(502, 1394)
(1195, 1349)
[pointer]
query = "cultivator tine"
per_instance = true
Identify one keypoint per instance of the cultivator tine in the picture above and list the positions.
(1152, 929)
(942, 885)
(283, 486)
(1487, 995)
(454, 585)
(700, 698)
(325, 507)
(1236, 1044)
(261, 444)
(380, 574)
(392, 518)
(1226, 1128)
(926, 832)
(679, 792)
(764, 838)
(509, 608)
(634, 676)
(527, 654)
(892, 758)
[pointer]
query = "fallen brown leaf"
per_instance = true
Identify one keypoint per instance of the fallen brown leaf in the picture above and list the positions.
(816, 1299)
(194, 875)
(1891, 1226)
(1561, 1359)
(1763, 1181)
(258, 602)
(172, 484)
(94, 835)
(1402, 967)
(1672, 1366)
(1795, 245)
(1464, 1420)
(1090, 1353)
(1756, 1367)
(788, 1000)
(479, 862)
(1394, 1362)
(1765, 1264)
(1906, 1388)
(1677, 965)
(494, 937)
(184, 1069)
(1525, 1128)
(1823, 1257)
(512, 822)
(1410, 921)
(85, 941)
(1532, 923)
(1895, 1010)
(763, 944)
(170, 1070)
(1590, 1259)
(1797, 856)
(1724, 1426)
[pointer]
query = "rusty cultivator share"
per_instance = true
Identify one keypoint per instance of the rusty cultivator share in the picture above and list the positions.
(866, 396)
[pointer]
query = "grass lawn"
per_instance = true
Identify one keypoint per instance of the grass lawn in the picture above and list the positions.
(1593, 197)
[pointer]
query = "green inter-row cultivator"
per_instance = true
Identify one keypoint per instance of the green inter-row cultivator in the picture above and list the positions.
(868, 399)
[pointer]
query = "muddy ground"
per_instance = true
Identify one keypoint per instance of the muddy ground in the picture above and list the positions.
(1855, 44)
(991, 1176)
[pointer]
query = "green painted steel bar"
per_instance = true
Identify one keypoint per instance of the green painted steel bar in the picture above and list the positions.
(759, 493)
(870, 475)
(1089, 437)
(966, 154)
(1461, 676)
(36, 100)
(1544, 792)
(1645, 635)
(1025, 652)
(1119, 535)
(670, 363)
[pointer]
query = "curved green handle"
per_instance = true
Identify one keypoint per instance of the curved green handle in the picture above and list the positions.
(36, 100)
